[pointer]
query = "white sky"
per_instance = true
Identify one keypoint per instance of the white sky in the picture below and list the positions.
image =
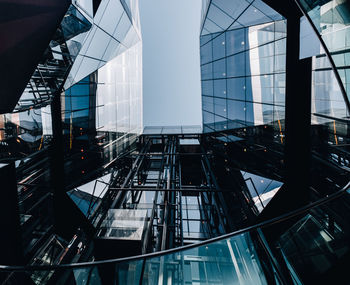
(171, 66)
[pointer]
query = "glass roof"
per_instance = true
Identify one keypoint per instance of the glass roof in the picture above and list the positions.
(170, 130)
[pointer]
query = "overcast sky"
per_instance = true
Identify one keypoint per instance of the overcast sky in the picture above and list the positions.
(171, 67)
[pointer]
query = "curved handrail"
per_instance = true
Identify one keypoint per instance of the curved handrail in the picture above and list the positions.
(269, 222)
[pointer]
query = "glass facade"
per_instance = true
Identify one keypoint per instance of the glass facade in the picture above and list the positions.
(257, 195)
(95, 61)
(242, 66)
(330, 75)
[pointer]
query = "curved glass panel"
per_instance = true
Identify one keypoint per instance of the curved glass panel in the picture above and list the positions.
(332, 20)
(298, 243)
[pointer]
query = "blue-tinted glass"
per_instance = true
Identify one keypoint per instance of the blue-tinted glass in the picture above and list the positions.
(208, 128)
(220, 123)
(208, 118)
(204, 39)
(253, 16)
(280, 29)
(260, 89)
(235, 41)
(233, 8)
(235, 65)
(206, 53)
(236, 110)
(219, 47)
(249, 112)
(219, 68)
(206, 71)
(220, 88)
(267, 10)
(261, 34)
(260, 113)
(219, 17)
(267, 111)
(260, 60)
(207, 87)
(236, 88)
(248, 89)
(207, 103)
(220, 107)
(211, 27)
(267, 95)
(265, 83)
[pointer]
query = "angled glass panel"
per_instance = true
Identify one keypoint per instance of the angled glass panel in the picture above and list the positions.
(332, 20)
(204, 39)
(261, 189)
(232, 8)
(111, 50)
(253, 16)
(87, 66)
(98, 44)
(86, 6)
(267, 10)
(122, 28)
(208, 118)
(111, 17)
(220, 123)
(219, 17)
(211, 27)
(131, 38)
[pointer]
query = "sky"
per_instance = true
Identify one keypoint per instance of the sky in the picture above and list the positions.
(171, 66)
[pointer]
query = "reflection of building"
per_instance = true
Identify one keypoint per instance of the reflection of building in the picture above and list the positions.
(269, 168)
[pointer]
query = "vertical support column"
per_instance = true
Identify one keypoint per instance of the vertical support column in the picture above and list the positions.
(11, 251)
(57, 161)
(298, 119)
(67, 216)
(297, 158)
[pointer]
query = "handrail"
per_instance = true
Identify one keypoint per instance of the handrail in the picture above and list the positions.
(269, 222)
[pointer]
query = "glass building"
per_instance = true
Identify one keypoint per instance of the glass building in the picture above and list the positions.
(259, 194)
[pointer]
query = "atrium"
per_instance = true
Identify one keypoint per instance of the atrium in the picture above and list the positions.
(257, 194)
